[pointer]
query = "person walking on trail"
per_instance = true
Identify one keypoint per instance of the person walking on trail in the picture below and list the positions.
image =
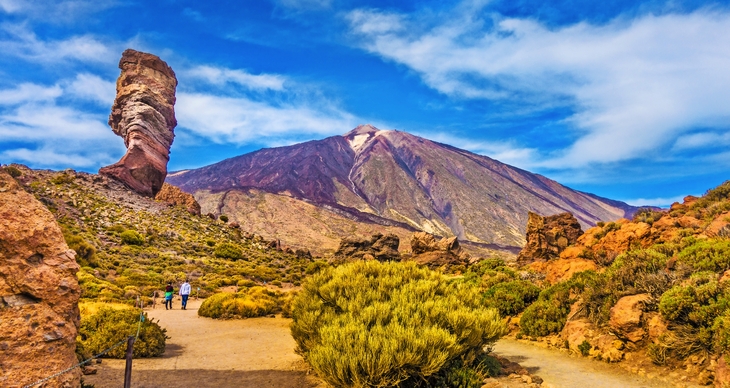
(185, 293)
(168, 296)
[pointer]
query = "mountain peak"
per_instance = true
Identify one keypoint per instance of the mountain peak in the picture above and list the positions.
(363, 129)
(361, 135)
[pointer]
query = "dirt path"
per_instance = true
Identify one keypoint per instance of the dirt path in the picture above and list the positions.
(559, 369)
(203, 352)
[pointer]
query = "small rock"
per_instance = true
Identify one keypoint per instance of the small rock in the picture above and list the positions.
(89, 370)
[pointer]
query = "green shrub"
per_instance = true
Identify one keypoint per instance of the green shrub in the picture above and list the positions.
(373, 324)
(510, 298)
(707, 255)
(607, 228)
(223, 218)
(131, 237)
(584, 348)
(648, 215)
(13, 171)
(543, 317)
(248, 303)
(228, 250)
(85, 252)
(109, 326)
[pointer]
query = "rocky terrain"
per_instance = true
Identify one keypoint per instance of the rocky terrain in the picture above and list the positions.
(392, 180)
(39, 292)
(648, 291)
(143, 114)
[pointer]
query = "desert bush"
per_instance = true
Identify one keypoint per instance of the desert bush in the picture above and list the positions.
(510, 298)
(223, 218)
(62, 178)
(648, 215)
(697, 312)
(607, 228)
(707, 255)
(373, 324)
(247, 303)
(13, 171)
(584, 348)
(544, 317)
(228, 250)
(108, 326)
(131, 237)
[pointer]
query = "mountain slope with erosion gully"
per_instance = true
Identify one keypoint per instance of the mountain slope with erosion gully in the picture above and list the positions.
(314, 193)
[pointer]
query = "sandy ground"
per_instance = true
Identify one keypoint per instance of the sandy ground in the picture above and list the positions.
(259, 352)
(561, 370)
(204, 352)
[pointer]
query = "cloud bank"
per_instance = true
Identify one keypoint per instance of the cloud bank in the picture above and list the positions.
(635, 87)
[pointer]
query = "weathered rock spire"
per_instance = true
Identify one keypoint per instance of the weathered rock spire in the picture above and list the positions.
(144, 115)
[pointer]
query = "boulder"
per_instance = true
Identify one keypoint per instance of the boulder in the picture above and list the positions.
(378, 247)
(722, 372)
(626, 317)
(562, 269)
(39, 293)
(436, 253)
(174, 196)
(548, 236)
(143, 115)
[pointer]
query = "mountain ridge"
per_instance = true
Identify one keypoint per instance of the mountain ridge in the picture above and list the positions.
(388, 175)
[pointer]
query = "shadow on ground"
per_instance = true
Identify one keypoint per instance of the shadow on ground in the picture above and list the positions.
(108, 378)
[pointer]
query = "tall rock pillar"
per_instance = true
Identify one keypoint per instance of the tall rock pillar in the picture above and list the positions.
(144, 115)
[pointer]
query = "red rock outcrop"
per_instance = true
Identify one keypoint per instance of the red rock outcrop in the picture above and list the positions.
(626, 317)
(39, 293)
(436, 253)
(176, 197)
(144, 115)
(379, 247)
(548, 236)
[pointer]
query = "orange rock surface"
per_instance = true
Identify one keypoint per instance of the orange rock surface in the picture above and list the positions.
(144, 115)
(39, 293)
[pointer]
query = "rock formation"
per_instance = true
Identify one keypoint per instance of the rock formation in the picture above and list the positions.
(378, 247)
(428, 251)
(176, 197)
(626, 317)
(548, 236)
(39, 293)
(143, 114)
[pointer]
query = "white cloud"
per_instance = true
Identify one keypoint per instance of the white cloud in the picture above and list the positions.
(700, 140)
(505, 152)
(50, 134)
(26, 45)
(94, 88)
(659, 202)
(47, 158)
(221, 76)
(635, 85)
(239, 120)
(56, 11)
(10, 6)
(27, 92)
(304, 4)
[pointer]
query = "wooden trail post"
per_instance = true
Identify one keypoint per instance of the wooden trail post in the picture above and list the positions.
(128, 367)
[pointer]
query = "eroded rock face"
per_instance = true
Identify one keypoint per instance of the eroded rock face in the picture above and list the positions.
(39, 293)
(626, 317)
(176, 197)
(144, 115)
(548, 236)
(432, 253)
(379, 247)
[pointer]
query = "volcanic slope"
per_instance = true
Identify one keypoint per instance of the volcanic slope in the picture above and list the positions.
(387, 178)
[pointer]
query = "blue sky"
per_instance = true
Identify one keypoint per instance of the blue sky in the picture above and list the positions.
(628, 100)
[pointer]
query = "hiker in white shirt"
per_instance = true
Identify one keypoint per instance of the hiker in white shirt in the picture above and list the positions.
(185, 293)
